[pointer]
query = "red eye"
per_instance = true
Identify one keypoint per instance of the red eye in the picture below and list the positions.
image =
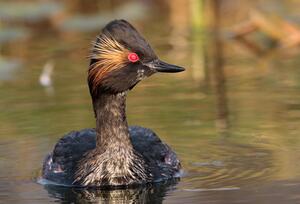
(133, 57)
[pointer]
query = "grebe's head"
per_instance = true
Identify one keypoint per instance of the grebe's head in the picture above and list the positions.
(121, 58)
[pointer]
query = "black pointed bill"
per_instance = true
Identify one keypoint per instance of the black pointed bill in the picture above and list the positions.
(161, 66)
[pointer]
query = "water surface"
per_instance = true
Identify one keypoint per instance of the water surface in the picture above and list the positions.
(234, 124)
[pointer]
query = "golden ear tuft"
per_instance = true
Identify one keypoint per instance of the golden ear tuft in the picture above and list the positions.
(109, 54)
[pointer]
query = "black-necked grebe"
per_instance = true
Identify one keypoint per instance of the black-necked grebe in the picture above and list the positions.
(114, 154)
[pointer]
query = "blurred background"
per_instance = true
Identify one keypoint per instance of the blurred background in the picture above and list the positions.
(232, 117)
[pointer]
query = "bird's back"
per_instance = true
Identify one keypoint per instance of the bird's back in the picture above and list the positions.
(60, 165)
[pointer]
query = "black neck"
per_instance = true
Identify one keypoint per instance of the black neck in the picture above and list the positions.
(111, 123)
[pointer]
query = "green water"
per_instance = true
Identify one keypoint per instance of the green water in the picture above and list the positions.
(234, 124)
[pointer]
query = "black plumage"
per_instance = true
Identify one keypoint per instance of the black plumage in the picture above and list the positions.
(60, 165)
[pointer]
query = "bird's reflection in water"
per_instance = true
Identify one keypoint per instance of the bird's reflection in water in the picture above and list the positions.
(153, 193)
